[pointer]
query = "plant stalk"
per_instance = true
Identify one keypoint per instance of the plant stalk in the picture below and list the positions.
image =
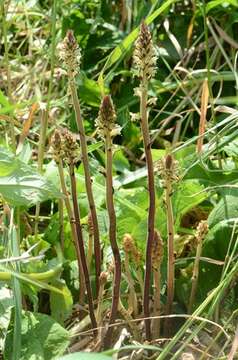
(81, 246)
(88, 181)
(170, 267)
(73, 229)
(195, 276)
(112, 237)
(157, 307)
(151, 212)
(132, 298)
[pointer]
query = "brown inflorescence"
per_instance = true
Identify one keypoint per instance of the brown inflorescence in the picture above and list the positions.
(157, 250)
(105, 121)
(56, 145)
(70, 147)
(144, 55)
(128, 243)
(69, 52)
(168, 169)
(202, 230)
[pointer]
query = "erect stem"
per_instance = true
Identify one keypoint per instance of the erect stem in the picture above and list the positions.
(90, 245)
(202, 230)
(61, 222)
(151, 212)
(129, 319)
(88, 183)
(157, 311)
(170, 267)
(195, 276)
(81, 246)
(73, 229)
(132, 299)
(112, 237)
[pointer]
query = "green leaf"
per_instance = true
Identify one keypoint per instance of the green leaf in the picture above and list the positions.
(85, 356)
(226, 209)
(42, 338)
(6, 303)
(60, 304)
(89, 90)
(20, 184)
(188, 195)
(215, 3)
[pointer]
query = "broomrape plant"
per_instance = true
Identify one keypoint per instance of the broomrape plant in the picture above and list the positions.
(145, 63)
(125, 237)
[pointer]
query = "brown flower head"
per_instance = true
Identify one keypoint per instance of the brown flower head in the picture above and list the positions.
(144, 54)
(202, 230)
(56, 145)
(168, 169)
(157, 250)
(70, 53)
(106, 118)
(70, 147)
(128, 243)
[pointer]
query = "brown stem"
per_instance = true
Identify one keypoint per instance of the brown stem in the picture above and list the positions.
(151, 213)
(170, 268)
(81, 246)
(132, 299)
(157, 307)
(112, 237)
(195, 276)
(88, 182)
(61, 222)
(90, 252)
(73, 229)
(129, 319)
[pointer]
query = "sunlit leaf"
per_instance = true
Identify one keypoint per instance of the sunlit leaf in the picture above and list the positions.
(20, 184)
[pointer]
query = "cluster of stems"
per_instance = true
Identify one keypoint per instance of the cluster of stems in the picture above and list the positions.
(65, 147)
(145, 62)
(70, 54)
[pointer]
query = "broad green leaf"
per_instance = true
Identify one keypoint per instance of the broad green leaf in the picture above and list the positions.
(89, 91)
(60, 304)
(3, 100)
(85, 356)
(20, 184)
(188, 195)
(227, 208)
(42, 338)
(6, 303)
(232, 148)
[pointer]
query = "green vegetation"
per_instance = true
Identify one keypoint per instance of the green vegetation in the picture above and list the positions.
(118, 179)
